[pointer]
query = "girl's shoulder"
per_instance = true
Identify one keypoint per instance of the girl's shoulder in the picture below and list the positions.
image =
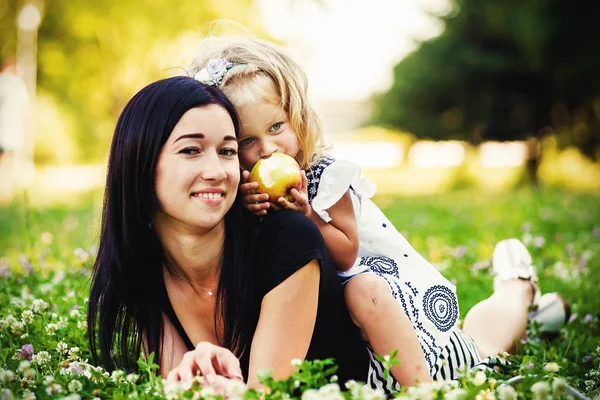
(315, 170)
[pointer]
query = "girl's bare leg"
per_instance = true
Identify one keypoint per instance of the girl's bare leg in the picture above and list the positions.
(496, 322)
(386, 327)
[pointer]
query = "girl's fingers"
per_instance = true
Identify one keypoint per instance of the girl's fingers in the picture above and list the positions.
(245, 176)
(256, 207)
(299, 197)
(246, 188)
(256, 198)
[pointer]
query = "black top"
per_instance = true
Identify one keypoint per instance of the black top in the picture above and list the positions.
(287, 241)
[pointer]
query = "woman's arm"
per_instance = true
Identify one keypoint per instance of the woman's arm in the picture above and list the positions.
(287, 319)
(173, 348)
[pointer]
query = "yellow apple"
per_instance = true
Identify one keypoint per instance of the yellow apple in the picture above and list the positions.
(276, 176)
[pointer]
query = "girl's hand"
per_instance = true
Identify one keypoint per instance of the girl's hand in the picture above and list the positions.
(256, 203)
(300, 202)
(208, 361)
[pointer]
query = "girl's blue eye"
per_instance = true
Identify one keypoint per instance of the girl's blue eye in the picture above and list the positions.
(228, 152)
(275, 127)
(247, 141)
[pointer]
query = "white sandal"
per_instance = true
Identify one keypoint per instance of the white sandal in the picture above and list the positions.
(511, 260)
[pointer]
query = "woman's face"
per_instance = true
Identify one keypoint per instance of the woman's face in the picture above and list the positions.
(197, 174)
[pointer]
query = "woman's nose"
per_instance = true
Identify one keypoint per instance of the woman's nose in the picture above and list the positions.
(213, 170)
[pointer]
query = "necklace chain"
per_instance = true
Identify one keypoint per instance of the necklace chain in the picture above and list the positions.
(209, 291)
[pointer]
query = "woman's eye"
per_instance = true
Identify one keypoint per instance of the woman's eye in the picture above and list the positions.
(190, 150)
(228, 152)
(275, 127)
(247, 141)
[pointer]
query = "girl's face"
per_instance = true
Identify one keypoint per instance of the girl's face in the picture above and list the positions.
(197, 173)
(265, 129)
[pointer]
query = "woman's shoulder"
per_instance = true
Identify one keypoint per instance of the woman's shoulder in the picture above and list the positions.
(284, 224)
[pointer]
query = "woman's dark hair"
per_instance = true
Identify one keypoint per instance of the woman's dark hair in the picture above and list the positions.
(128, 293)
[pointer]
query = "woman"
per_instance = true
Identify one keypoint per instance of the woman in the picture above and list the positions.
(178, 265)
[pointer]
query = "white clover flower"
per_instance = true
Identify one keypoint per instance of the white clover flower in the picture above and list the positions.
(27, 317)
(48, 379)
(73, 396)
(552, 367)
(559, 387)
(331, 391)
(54, 388)
(81, 254)
(479, 378)
(117, 376)
(58, 277)
(541, 390)
(51, 329)
(296, 362)
(367, 393)
(82, 324)
(62, 322)
(74, 313)
(24, 336)
(73, 352)
(45, 288)
(6, 375)
(29, 374)
(589, 383)
(485, 395)
(71, 293)
(74, 386)
(10, 319)
(311, 394)
(39, 305)
(16, 328)
(41, 358)
(23, 364)
(47, 237)
(334, 378)
(455, 394)
(132, 378)
(6, 394)
(507, 392)
(28, 395)
(62, 347)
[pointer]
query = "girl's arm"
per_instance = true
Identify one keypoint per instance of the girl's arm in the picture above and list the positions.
(285, 326)
(340, 234)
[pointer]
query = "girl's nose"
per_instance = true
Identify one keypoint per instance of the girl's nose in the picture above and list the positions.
(267, 149)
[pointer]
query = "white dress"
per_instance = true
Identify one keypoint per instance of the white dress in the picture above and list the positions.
(428, 298)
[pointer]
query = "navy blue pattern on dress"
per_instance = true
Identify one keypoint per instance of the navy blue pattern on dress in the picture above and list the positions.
(441, 307)
(314, 172)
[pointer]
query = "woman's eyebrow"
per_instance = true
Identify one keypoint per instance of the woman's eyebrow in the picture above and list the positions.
(190, 136)
(230, 138)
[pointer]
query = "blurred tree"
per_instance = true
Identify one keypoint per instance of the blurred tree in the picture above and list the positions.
(94, 55)
(504, 70)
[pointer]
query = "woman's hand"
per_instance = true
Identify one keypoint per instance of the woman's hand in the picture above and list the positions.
(300, 202)
(256, 203)
(209, 361)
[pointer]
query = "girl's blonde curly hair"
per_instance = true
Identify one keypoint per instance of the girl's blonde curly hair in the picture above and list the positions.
(263, 72)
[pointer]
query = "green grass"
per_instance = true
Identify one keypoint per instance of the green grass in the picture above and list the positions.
(456, 231)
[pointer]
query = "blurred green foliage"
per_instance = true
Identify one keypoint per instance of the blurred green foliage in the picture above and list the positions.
(503, 70)
(94, 55)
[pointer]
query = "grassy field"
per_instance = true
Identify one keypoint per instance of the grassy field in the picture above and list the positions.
(46, 253)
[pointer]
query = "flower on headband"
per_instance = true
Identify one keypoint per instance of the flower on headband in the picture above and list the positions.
(214, 71)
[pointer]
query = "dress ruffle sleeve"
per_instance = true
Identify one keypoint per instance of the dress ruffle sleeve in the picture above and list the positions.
(329, 179)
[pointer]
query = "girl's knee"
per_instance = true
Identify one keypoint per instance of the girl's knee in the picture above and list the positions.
(367, 293)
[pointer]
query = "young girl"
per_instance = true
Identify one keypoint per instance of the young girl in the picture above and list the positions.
(397, 298)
